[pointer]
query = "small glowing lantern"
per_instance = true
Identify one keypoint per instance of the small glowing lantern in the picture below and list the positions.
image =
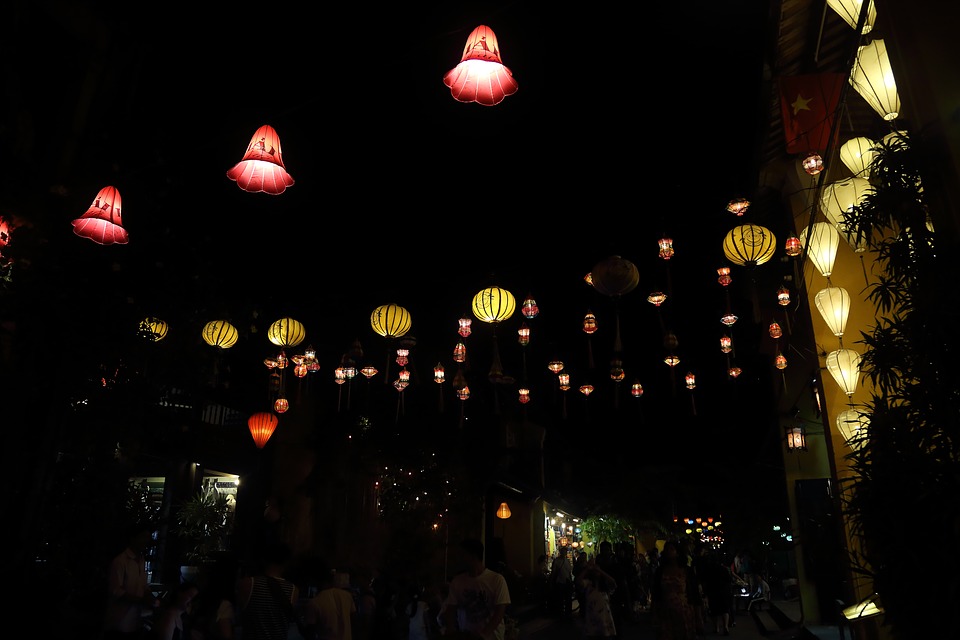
(463, 392)
(586, 389)
(262, 169)
(390, 321)
(840, 197)
(833, 303)
(589, 323)
(738, 206)
(524, 395)
(262, 425)
(726, 344)
(530, 309)
(503, 511)
(465, 327)
(555, 366)
(796, 438)
(729, 319)
(812, 164)
(219, 333)
(734, 372)
(459, 352)
(153, 329)
(850, 10)
(792, 246)
(636, 390)
(657, 298)
(781, 361)
(280, 405)
(672, 360)
(101, 222)
(724, 278)
(339, 375)
(666, 248)
(481, 76)
(853, 427)
(439, 373)
(783, 296)
(524, 335)
(844, 366)
(749, 245)
(369, 371)
(691, 380)
(872, 77)
(564, 380)
(286, 332)
(775, 330)
(403, 357)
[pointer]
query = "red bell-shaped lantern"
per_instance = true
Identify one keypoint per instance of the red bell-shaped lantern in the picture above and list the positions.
(101, 223)
(262, 166)
(481, 75)
(262, 425)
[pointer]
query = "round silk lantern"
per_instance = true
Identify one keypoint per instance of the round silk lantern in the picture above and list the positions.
(286, 332)
(493, 305)
(153, 329)
(390, 320)
(220, 333)
(615, 276)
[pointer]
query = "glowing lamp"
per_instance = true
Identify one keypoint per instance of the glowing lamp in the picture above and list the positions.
(503, 511)
(729, 319)
(672, 360)
(523, 334)
(524, 395)
(463, 393)
(844, 366)
(780, 362)
(368, 372)
(749, 245)
(438, 373)
(872, 77)
(465, 328)
(262, 425)
(796, 438)
(153, 329)
(666, 248)
(738, 206)
(734, 372)
(726, 344)
(563, 379)
(493, 305)
(390, 320)
(822, 250)
(657, 298)
(459, 352)
(783, 296)
(280, 405)
(793, 247)
(589, 323)
(812, 164)
(219, 333)
(530, 309)
(286, 332)
(481, 76)
(775, 330)
(840, 197)
(850, 10)
(555, 366)
(690, 380)
(586, 389)
(636, 390)
(833, 303)
(723, 276)
(101, 222)
(857, 154)
(261, 169)
(852, 425)
(866, 608)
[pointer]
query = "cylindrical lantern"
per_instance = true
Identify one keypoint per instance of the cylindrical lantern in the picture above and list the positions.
(850, 10)
(153, 329)
(439, 373)
(844, 366)
(840, 197)
(262, 425)
(220, 333)
(857, 154)
(493, 305)
(749, 245)
(390, 320)
(822, 250)
(872, 77)
(796, 438)
(286, 332)
(853, 427)
(833, 303)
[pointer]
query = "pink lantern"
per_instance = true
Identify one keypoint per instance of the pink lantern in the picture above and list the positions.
(481, 75)
(101, 223)
(262, 166)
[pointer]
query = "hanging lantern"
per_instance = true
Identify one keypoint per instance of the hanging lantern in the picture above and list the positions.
(833, 303)
(403, 357)
(524, 395)
(724, 276)
(850, 10)
(390, 320)
(857, 154)
(300, 370)
(738, 206)
(780, 362)
(666, 248)
(840, 197)
(219, 333)
(529, 308)
(728, 319)
(616, 370)
(101, 222)
(844, 366)
(481, 75)
(796, 438)
(463, 392)
(261, 169)
(262, 425)
(459, 352)
(564, 380)
(615, 276)
(586, 389)
(726, 344)
(339, 375)
(812, 164)
(636, 390)
(824, 240)
(872, 77)
(503, 511)
(369, 371)
(589, 323)
(439, 373)
(280, 405)
(657, 298)
(404, 375)
(775, 330)
(493, 305)
(690, 380)
(734, 372)
(286, 332)
(749, 245)
(280, 362)
(465, 327)
(153, 329)
(792, 247)
(672, 360)
(783, 296)
(853, 425)
(524, 335)
(555, 366)
(400, 384)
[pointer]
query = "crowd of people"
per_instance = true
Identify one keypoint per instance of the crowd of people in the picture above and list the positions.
(687, 591)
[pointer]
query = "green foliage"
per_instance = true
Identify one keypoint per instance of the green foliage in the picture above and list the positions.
(204, 521)
(906, 473)
(616, 529)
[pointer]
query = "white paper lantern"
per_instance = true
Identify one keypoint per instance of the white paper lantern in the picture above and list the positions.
(824, 240)
(844, 366)
(833, 303)
(840, 197)
(857, 154)
(852, 425)
(872, 77)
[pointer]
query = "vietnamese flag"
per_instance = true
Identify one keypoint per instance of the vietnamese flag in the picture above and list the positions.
(808, 104)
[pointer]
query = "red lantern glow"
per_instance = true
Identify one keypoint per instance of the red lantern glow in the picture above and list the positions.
(280, 405)
(481, 76)
(261, 168)
(101, 223)
(589, 323)
(524, 396)
(459, 352)
(262, 425)
(724, 273)
(666, 248)
(636, 390)
(530, 309)
(775, 330)
(793, 246)
(524, 334)
(465, 327)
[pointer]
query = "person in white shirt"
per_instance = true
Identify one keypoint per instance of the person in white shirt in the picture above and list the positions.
(478, 597)
(129, 598)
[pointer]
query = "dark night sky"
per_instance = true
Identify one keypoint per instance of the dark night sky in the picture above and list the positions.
(626, 126)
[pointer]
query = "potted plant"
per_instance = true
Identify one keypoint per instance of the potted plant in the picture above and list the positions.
(203, 523)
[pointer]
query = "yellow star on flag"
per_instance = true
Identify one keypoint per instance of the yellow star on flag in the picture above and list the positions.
(801, 104)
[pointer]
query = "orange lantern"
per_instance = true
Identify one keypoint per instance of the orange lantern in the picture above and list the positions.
(775, 330)
(524, 395)
(586, 389)
(261, 168)
(589, 323)
(636, 390)
(481, 75)
(262, 426)
(101, 223)
(530, 309)
(524, 335)
(280, 405)
(465, 327)
(666, 248)
(657, 298)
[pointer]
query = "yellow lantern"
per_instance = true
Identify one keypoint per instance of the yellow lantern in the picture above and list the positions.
(286, 332)
(833, 303)
(853, 427)
(390, 320)
(749, 245)
(824, 240)
(153, 329)
(503, 511)
(220, 333)
(872, 77)
(857, 154)
(840, 197)
(844, 366)
(493, 305)
(850, 10)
